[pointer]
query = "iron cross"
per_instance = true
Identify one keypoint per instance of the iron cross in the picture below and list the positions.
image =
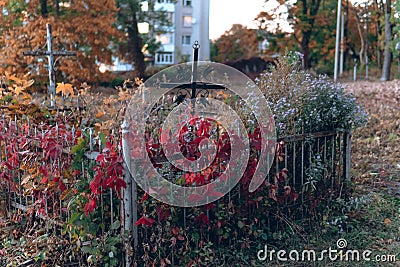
(50, 53)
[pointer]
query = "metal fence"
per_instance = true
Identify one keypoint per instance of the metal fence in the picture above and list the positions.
(45, 190)
(317, 165)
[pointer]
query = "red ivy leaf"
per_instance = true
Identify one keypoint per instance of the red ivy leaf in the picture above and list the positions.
(90, 206)
(202, 219)
(96, 183)
(119, 183)
(145, 221)
(44, 180)
(145, 197)
(54, 149)
(175, 230)
(62, 186)
(100, 158)
(162, 213)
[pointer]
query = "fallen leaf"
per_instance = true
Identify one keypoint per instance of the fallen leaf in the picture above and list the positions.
(65, 89)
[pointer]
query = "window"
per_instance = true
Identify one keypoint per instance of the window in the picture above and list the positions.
(143, 27)
(144, 6)
(167, 38)
(187, 2)
(186, 40)
(170, 17)
(164, 58)
(187, 21)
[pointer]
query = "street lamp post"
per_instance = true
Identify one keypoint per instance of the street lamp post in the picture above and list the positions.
(366, 41)
(355, 65)
(341, 45)
(339, 12)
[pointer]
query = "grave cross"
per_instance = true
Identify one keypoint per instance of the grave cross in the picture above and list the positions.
(50, 53)
(194, 83)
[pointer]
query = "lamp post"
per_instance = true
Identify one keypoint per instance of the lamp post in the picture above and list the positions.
(353, 55)
(341, 45)
(339, 12)
(263, 43)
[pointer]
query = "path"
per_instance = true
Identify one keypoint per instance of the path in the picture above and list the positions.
(376, 147)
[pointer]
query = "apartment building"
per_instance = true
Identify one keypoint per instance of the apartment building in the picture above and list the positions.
(190, 19)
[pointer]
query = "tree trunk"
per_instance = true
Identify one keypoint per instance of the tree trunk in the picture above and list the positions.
(378, 34)
(43, 7)
(305, 50)
(57, 5)
(388, 37)
(362, 49)
(135, 46)
(309, 11)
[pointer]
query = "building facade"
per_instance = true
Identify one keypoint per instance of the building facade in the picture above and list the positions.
(190, 19)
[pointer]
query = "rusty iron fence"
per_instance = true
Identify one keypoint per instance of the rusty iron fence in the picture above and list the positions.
(317, 166)
(22, 188)
(315, 160)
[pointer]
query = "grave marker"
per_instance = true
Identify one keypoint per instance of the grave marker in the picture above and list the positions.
(50, 53)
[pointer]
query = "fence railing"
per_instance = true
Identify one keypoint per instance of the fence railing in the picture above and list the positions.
(34, 158)
(315, 164)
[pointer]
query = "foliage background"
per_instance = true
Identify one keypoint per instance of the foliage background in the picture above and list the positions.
(85, 27)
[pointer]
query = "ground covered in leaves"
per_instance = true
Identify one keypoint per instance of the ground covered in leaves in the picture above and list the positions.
(376, 147)
(369, 220)
(376, 169)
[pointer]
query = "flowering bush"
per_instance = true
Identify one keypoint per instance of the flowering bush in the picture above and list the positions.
(303, 103)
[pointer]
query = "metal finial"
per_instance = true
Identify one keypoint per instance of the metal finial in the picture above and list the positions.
(196, 45)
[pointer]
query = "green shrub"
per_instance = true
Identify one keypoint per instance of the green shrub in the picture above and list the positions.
(303, 103)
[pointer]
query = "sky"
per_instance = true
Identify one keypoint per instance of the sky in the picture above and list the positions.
(225, 13)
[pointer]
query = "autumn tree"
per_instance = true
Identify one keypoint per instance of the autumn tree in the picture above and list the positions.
(271, 28)
(378, 11)
(130, 14)
(82, 26)
(321, 43)
(313, 29)
(303, 17)
(238, 42)
(310, 21)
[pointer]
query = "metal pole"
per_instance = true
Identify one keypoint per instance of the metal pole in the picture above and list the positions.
(366, 42)
(196, 47)
(129, 201)
(52, 75)
(355, 70)
(339, 11)
(341, 46)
